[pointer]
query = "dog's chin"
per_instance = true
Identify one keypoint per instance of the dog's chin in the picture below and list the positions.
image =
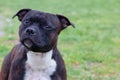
(30, 45)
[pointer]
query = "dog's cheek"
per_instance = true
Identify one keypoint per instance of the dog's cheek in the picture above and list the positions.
(20, 31)
(53, 39)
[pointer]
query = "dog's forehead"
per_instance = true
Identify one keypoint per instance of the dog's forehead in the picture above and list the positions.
(39, 14)
(42, 17)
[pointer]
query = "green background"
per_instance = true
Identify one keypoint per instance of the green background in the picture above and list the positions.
(91, 50)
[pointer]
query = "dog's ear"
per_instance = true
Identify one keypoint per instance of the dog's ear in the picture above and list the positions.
(64, 21)
(21, 13)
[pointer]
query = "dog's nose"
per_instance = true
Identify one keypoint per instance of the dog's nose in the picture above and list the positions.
(30, 31)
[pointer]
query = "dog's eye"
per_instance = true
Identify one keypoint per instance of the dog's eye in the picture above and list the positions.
(47, 28)
(26, 22)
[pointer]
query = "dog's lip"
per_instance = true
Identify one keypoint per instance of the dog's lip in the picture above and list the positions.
(28, 43)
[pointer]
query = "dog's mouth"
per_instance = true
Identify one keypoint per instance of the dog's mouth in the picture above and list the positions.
(28, 43)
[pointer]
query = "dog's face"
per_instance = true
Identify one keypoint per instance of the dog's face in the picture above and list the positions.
(39, 30)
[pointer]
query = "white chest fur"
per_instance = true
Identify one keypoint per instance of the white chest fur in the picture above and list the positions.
(39, 66)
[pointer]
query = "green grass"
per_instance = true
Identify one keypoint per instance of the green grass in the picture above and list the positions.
(92, 50)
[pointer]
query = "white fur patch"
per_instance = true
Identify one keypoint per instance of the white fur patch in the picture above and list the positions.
(39, 66)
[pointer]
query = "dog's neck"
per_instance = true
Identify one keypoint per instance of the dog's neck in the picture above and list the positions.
(40, 61)
(39, 66)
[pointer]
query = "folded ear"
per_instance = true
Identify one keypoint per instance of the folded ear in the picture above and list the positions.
(64, 21)
(21, 13)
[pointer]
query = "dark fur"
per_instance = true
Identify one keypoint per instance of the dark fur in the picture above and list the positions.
(37, 37)
(13, 67)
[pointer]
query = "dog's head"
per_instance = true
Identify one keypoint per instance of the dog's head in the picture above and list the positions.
(39, 30)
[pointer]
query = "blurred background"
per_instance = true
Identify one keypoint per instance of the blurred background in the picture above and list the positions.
(91, 50)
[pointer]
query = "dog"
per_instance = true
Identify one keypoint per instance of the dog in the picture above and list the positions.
(36, 57)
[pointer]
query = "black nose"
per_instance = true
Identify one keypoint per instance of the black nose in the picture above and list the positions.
(30, 31)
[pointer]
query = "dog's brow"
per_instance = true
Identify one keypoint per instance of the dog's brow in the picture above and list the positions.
(38, 20)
